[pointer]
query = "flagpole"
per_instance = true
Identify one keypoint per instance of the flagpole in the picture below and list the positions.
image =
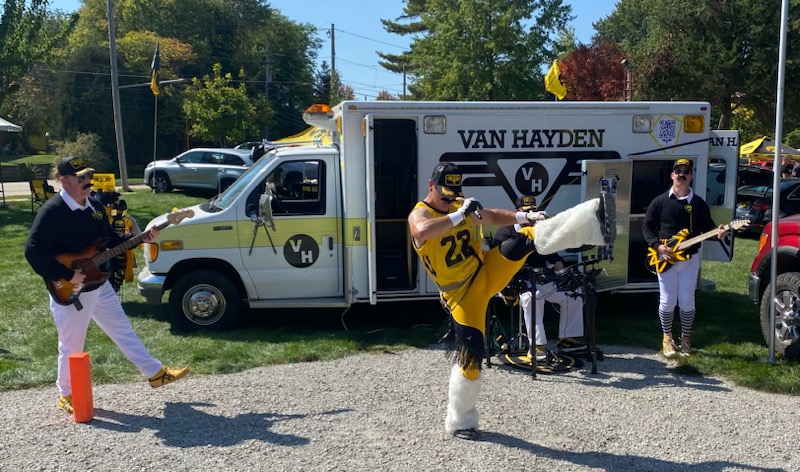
(156, 68)
(776, 176)
(155, 131)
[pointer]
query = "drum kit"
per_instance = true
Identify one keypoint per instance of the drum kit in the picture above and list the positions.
(578, 280)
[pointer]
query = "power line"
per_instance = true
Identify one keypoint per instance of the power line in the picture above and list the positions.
(371, 39)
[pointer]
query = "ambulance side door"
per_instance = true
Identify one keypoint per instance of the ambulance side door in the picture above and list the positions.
(301, 257)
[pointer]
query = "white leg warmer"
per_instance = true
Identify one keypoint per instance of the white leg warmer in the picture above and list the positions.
(572, 228)
(463, 396)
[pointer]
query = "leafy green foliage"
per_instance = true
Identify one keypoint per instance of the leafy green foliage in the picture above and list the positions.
(87, 147)
(219, 112)
(474, 50)
(25, 39)
(724, 52)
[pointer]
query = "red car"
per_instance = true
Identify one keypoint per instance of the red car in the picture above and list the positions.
(787, 282)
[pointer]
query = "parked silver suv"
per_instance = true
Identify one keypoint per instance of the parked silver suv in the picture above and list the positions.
(199, 168)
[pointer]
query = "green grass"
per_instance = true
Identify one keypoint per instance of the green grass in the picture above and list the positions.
(27, 159)
(727, 336)
(28, 337)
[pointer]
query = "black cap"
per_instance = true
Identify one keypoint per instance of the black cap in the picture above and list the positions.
(447, 178)
(73, 166)
(682, 162)
(526, 203)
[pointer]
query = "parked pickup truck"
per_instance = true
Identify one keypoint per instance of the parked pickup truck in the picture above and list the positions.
(787, 282)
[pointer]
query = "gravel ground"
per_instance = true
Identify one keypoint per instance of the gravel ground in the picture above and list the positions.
(385, 412)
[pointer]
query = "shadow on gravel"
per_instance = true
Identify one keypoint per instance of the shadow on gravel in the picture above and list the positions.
(608, 461)
(186, 425)
(637, 373)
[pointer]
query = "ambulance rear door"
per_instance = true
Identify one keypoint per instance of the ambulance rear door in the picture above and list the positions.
(721, 186)
(615, 178)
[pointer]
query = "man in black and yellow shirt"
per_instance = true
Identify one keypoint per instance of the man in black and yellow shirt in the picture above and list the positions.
(447, 236)
(669, 213)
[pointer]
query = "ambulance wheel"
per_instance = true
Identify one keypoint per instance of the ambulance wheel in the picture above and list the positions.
(204, 300)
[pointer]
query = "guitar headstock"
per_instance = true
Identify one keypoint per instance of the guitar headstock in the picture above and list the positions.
(737, 224)
(176, 216)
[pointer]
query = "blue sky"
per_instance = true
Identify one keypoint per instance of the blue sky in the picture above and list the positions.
(359, 34)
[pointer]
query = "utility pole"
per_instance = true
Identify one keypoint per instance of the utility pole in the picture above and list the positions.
(404, 81)
(112, 45)
(333, 50)
(628, 85)
(267, 80)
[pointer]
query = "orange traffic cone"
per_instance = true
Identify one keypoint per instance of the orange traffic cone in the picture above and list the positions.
(80, 374)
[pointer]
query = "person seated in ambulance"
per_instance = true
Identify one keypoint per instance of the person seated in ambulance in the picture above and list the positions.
(570, 307)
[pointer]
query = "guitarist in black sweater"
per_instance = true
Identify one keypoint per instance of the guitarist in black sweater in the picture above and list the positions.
(667, 216)
(71, 222)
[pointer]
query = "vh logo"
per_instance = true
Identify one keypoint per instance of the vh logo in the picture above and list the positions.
(532, 179)
(301, 250)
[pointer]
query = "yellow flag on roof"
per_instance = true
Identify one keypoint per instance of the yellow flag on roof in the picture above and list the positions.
(553, 84)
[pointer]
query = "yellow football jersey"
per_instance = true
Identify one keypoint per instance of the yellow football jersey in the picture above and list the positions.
(453, 258)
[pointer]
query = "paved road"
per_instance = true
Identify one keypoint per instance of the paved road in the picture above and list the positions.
(22, 189)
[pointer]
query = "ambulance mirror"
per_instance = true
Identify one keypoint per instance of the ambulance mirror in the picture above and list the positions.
(265, 209)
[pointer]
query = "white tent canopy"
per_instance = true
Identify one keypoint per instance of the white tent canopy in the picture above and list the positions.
(9, 126)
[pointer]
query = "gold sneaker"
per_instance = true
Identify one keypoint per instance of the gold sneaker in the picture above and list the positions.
(65, 403)
(668, 348)
(167, 375)
(686, 346)
(541, 353)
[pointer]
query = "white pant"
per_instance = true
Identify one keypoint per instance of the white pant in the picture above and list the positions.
(570, 324)
(677, 285)
(102, 306)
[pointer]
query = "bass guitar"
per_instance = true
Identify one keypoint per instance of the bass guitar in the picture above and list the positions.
(678, 243)
(90, 261)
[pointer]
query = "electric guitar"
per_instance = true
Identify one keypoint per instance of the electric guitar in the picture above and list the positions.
(679, 243)
(90, 260)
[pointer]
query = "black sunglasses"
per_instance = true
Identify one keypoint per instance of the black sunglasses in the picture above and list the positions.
(682, 172)
(82, 178)
(446, 198)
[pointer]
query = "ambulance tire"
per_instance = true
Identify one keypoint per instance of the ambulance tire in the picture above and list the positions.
(204, 300)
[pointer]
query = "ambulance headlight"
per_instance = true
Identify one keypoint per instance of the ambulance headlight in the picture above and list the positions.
(434, 124)
(642, 123)
(171, 245)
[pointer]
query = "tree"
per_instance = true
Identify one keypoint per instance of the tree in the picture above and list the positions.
(594, 72)
(240, 35)
(477, 50)
(339, 91)
(724, 52)
(219, 112)
(404, 62)
(385, 95)
(322, 84)
(26, 38)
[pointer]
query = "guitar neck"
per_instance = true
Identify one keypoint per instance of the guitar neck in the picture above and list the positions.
(697, 239)
(105, 256)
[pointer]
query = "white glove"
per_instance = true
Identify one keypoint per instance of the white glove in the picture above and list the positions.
(534, 216)
(469, 206)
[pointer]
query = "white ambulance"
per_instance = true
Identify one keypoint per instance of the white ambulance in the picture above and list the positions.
(324, 225)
